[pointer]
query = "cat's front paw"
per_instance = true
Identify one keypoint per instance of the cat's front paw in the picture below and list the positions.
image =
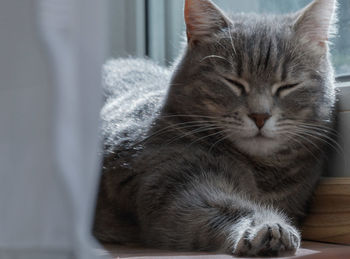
(268, 240)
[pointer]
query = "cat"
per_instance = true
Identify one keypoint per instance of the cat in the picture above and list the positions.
(222, 152)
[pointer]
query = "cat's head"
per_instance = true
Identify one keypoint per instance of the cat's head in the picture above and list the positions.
(265, 81)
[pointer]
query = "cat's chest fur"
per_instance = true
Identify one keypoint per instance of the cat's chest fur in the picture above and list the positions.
(231, 173)
(281, 185)
(261, 182)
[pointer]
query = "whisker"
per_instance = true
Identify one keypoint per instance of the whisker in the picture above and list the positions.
(317, 127)
(215, 119)
(182, 125)
(313, 128)
(207, 136)
(337, 148)
(218, 141)
(189, 116)
(203, 129)
(323, 138)
(304, 136)
(187, 124)
(231, 39)
(214, 56)
(315, 124)
(330, 129)
(301, 144)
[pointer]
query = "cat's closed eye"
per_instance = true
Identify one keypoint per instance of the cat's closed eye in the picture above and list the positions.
(283, 89)
(236, 86)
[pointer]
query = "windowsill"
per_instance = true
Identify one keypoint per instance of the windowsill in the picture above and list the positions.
(344, 96)
(312, 250)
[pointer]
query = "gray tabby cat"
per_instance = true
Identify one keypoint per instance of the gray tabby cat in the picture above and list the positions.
(227, 158)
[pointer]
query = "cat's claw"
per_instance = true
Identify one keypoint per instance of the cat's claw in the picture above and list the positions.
(268, 240)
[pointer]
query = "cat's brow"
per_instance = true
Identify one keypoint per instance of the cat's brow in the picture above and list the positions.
(239, 81)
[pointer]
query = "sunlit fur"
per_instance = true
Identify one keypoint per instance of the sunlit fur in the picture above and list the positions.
(185, 165)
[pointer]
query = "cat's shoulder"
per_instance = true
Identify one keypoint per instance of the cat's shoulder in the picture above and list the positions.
(134, 91)
(123, 75)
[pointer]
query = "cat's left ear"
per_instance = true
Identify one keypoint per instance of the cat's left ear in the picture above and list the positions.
(316, 22)
(203, 19)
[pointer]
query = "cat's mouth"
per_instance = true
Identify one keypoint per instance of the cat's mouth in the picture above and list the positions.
(258, 144)
(258, 136)
(261, 135)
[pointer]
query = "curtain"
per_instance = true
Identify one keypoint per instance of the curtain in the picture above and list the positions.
(51, 53)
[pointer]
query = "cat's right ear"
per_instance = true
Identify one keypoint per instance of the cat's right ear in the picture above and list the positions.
(203, 18)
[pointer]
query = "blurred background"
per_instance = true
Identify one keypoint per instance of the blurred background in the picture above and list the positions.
(155, 28)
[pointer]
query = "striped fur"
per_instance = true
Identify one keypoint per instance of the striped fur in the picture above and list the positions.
(187, 168)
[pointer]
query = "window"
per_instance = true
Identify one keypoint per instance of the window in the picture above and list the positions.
(166, 26)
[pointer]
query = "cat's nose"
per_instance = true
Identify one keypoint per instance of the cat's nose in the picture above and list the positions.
(259, 118)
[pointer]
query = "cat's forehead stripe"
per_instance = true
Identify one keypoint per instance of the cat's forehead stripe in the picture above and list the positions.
(261, 54)
(284, 69)
(268, 55)
(256, 57)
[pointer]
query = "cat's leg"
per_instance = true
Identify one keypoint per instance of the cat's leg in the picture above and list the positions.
(199, 216)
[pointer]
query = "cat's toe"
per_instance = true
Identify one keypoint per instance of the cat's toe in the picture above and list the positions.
(243, 244)
(268, 240)
(290, 238)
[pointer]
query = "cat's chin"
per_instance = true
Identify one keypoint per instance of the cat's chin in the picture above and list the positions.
(258, 145)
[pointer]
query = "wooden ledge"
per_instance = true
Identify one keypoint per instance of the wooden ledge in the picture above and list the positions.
(329, 217)
(309, 250)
